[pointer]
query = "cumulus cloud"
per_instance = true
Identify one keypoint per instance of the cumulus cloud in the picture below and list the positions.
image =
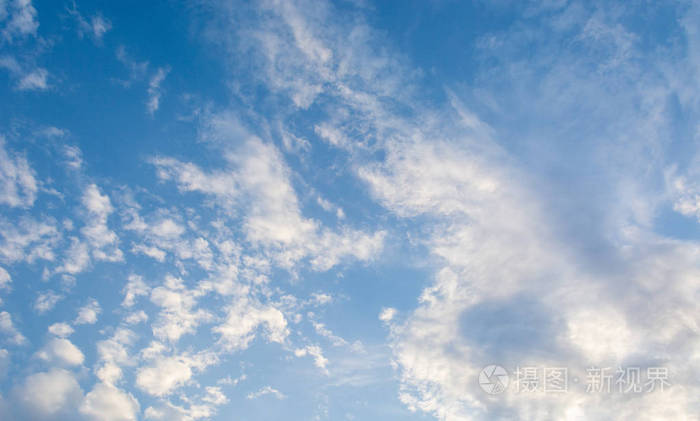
(167, 373)
(62, 330)
(113, 353)
(178, 315)
(243, 320)
(108, 403)
(28, 240)
(61, 351)
(102, 240)
(35, 80)
(46, 301)
(5, 279)
(259, 181)
(18, 184)
(134, 288)
(48, 395)
(136, 317)
(88, 313)
(8, 328)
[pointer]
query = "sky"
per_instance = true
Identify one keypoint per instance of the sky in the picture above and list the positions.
(349, 210)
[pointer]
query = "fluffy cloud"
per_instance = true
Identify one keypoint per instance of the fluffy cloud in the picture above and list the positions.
(62, 330)
(88, 313)
(49, 395)
(113, 353)
(46, 301)
(259, 181)
(243, 320)
(99, 207)
(9, 329)
(686, 195)
(167, 373)
(28, 240)
(61, 351)
(178, 315)
(18, 185)
(106, 402)
(134, 288)
(5, 279)
(532, 267)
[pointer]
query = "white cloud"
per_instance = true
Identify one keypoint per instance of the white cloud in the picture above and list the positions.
(62, 330)
(167, 412)
(8, 328)
(154, 89)
(259, 182)
(134, 288)
(5, 279)
(52, 132)
(61, 351)
(214, 396)
(27, 240)
(199, 407)
(267, 390)
(4, 364)
(314, 351)
(95, 27)
(88, 313)
(108, 403)
(28, 77)
(77, 257)
(18, 185)
(178, 315)
(167, 228)
(46, 301)
(74, 156)
(387, 314)
(99, 26)
(686, 195)
(137, 69)
(22, 20)
(36, 80)
(97, 203)
(102, 240)
(136, 318)
(49, 395)
(332, 135)
(150, 251)
(168, 373)
(243, 320)
(112, 354)
(534, 252)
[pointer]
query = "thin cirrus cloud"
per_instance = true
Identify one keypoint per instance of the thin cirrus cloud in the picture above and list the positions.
(321, 195)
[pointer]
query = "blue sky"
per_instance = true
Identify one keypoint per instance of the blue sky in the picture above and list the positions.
(221, 210)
